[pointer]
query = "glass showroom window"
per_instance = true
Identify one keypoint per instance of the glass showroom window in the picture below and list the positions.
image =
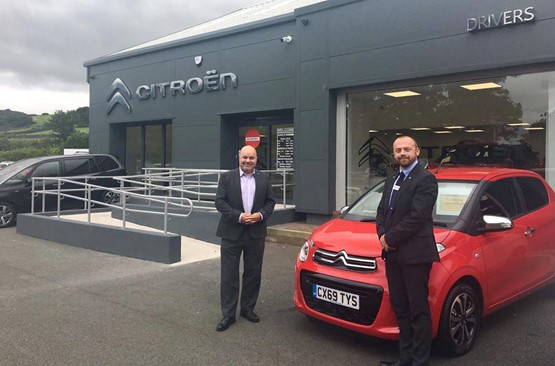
(507, 121)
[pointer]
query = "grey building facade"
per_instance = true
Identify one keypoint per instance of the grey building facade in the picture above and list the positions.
(353, 75)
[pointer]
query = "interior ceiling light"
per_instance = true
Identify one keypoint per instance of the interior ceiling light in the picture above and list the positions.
(481, 86)
(373, 131)
(534, 128)
(474, 130)
(442, 132)
(454, 127)
(420, 128)
(518, 124)
(402, 93)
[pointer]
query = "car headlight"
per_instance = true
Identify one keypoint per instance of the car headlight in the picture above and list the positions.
(440, 247)
(305, 249)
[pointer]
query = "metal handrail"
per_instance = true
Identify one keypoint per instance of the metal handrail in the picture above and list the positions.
(87, 188)
(166, 186)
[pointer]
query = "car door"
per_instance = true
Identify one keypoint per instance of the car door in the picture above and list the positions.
(539, 230)
(503, 251)
(74, 167)
(46, 201)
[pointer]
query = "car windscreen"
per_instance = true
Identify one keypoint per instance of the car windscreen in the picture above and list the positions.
(451, 199)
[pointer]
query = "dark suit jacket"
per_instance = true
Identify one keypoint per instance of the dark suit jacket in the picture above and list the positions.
(229, 203)
(412, 224)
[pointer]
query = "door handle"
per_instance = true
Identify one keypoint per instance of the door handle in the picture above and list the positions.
(529, 231)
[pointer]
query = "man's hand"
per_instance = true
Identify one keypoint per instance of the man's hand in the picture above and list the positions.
(384, 244)
(249, 219)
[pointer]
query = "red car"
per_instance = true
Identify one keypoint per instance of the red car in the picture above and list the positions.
(494, 229)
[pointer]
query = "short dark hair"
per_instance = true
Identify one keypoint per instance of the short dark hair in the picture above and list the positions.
(410, 137)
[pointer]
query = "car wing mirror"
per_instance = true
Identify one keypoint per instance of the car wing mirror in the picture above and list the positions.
(496, 223)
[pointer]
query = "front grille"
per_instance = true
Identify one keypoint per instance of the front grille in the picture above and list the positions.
(370, 297)
(344, 261)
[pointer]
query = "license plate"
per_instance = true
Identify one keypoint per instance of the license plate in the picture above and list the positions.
(335, 296)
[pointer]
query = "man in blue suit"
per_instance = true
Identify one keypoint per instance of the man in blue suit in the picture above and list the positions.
(405, 228)
(245, 200)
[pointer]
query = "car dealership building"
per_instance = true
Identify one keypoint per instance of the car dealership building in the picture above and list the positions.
(324, 87)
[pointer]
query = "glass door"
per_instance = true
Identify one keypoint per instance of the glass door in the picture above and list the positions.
(147, 146)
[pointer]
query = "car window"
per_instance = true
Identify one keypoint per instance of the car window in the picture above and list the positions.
(76, 167)
(105, 163)
(500, 199)
(21, 176)
(48, 169)
(535, 194)
(451, 198)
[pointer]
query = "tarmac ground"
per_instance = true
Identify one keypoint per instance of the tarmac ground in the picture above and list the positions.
(62, 305)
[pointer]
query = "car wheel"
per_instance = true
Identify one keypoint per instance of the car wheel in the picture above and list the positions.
(460, 320)
(110, 197)
(7, 215)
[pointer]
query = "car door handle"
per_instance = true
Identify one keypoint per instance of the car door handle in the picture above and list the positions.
(529, 231)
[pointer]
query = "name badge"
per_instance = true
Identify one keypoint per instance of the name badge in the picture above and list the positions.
(396, 187)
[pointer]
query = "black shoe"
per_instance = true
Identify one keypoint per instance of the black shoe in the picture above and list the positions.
(225, 323)
(387, 363)
(250, 316)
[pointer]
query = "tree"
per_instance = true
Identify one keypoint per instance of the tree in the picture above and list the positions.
(82, 116)
(77, 140)
(63, 124)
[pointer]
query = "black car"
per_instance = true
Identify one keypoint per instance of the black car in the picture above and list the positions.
(16, 182)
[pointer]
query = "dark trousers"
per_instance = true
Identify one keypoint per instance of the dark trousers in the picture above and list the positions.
(253, 253)
(408, 294)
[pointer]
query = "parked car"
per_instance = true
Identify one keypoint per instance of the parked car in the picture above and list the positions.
(494, 230)
(517, 155)
(16, 182)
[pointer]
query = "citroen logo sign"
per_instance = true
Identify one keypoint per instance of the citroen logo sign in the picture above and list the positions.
(115, 96)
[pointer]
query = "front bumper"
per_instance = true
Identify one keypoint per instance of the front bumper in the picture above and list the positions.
(374, 317)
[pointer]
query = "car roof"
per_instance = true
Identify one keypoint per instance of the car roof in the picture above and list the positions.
(476, 173)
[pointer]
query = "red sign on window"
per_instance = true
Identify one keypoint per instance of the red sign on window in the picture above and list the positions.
(252, 138)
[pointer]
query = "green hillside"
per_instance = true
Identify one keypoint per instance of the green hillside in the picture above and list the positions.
(23, 135)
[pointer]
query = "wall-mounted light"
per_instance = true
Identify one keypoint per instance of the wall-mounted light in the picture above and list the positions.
(287, 39)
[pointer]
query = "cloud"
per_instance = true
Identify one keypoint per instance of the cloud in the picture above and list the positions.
(44, 43)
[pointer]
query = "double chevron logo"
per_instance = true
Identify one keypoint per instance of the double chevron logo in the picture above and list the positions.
(118, 94)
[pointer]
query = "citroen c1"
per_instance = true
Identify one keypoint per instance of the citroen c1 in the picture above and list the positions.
(494, 230)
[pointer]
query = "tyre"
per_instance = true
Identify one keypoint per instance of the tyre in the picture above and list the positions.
(460, 320)
(7, 215)
(110, 197)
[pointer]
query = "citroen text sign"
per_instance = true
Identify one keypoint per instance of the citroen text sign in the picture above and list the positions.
(211, 82)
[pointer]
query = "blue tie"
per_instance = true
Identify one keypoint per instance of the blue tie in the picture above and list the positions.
(394, 192)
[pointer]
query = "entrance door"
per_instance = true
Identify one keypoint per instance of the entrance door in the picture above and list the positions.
(275, 136)
(147, 146)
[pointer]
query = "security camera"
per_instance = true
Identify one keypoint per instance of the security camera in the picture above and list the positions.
(286, 39)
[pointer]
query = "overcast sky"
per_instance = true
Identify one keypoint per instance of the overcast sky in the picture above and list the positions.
(44, 43)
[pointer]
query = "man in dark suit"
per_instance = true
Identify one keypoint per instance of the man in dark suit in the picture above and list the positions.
(405, 228)
(245, 200)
